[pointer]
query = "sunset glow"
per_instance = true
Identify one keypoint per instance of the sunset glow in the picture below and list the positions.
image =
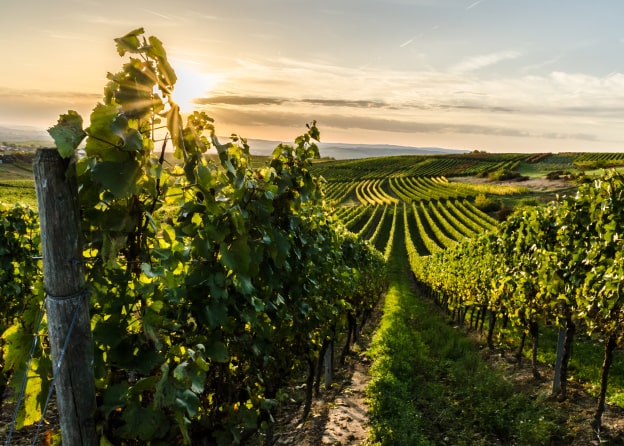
(192, 84)
(464, 74)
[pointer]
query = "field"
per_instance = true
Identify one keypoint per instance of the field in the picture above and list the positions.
(417, 207)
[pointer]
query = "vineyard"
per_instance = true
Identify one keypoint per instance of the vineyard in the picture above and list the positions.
(222, 287)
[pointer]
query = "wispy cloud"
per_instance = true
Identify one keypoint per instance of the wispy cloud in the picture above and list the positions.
(158, 14)
(237, 100)
(407, 42)
(474, 4)
(485, 60)
(346, 103)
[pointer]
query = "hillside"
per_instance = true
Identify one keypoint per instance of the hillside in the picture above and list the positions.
(443, 367)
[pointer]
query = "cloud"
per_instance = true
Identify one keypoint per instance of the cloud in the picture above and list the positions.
(485, 60)
(242, 100)
(238, 100)
(407, 42)
(40, 95)
(472, 5)
(287, 119)
(346, 103)
(42, 108)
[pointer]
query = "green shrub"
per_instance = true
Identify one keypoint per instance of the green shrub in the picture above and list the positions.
(487, 204)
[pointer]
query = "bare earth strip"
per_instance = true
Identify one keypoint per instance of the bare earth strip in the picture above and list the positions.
(339, 415)
(347, 422)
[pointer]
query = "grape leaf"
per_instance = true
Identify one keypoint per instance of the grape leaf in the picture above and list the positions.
(120, 178)
(130, 42)
(67, 133)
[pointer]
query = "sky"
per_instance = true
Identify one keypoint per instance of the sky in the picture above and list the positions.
(493, 75)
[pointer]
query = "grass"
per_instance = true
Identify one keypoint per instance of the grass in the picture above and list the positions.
(429, 385)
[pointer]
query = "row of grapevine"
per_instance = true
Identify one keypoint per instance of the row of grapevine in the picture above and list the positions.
(387, 251)
(378, 236)
(372, 192)
(437, 224)
(212, 284)
(471, 211)
(560, 264)
(375, 216)
(450, 165)
(352, 215)
(439, 228)
(465, 219)
(339, 191)
(411, 188)
(600, 156)
(430, 244)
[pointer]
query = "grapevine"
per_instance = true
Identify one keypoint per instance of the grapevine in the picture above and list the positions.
(213, 283)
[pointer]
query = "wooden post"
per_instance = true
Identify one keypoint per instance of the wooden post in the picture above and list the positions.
(559, 361)
(67, 302)
(329, 364)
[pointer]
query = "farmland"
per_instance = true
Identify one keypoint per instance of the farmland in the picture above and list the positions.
(413, 208)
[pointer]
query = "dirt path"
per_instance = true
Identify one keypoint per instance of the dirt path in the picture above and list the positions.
(339, 416)
(347, 421)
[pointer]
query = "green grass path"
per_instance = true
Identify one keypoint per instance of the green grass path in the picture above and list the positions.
(429, 385)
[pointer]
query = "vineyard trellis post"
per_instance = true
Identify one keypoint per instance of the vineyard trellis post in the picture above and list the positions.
(67, 303)
(558, 361)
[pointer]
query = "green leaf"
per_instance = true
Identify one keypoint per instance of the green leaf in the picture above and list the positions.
(114, 397)
(30, 411)
(216, 313)
(120, 178)
(130, 42)
(166, 72)
(235, 256)
(143, 385)
(188, 401)
(67, 133)
(102, 142)
(182, 374)
(218, 352)
(165, 389)
(131, 138)
(144, 423)
(15, 346)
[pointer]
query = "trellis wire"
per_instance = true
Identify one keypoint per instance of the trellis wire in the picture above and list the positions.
(82, 295)
(20, 396)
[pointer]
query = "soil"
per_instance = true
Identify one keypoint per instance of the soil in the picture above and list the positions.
(339, 415)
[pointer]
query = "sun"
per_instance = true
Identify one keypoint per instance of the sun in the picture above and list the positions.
(192, 84)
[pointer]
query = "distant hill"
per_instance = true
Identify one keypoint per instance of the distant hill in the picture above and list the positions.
(33, 136)
(352, 151)
(24, 134)
(349, 151)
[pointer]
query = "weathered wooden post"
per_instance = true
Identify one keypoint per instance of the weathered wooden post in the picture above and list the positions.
(67, 302)
(329, 364)
(558, 362)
